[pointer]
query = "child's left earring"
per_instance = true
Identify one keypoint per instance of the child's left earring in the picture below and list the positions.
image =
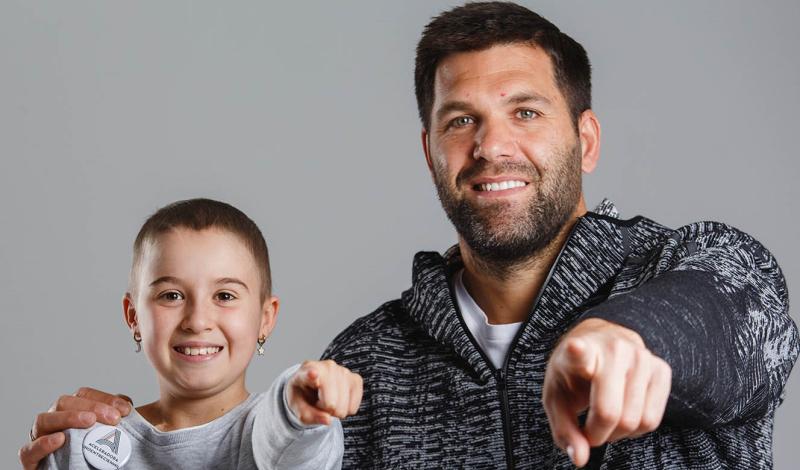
(261, 342)
(137, 337)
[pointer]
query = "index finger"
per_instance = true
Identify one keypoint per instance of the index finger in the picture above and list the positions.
(581, 358)
(121, 402)
(55, 421)
(563, 420)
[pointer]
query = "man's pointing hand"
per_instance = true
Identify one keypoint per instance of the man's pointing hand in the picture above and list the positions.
(606, 368)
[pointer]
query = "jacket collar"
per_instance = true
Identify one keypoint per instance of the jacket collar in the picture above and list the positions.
(591, 257)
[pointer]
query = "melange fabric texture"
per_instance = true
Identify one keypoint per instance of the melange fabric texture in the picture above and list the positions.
(260, 433)
(706, 297)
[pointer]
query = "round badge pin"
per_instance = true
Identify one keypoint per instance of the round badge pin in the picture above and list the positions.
(106, 447)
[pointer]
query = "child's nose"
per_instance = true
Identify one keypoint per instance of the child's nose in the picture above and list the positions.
(197, 317)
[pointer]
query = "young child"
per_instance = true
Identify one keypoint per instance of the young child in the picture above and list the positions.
(199, 304)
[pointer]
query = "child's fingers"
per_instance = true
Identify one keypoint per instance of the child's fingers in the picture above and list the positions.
(306, 376)
(329, 394)
(343, 404)
(313, 377)
(311, 415)
(356, 392)
(331, 389)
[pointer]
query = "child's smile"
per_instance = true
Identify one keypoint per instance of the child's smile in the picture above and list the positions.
(193, 351)
(198, 306)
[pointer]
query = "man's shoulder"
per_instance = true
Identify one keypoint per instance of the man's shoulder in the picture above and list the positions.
(650, 235)
(385, 324)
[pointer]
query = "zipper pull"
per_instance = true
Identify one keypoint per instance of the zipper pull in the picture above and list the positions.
(500, 377)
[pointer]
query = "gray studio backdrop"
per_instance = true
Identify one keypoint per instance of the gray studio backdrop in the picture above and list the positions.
(303, 115)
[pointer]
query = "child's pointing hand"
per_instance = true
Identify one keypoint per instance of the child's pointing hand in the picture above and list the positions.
(320, 390)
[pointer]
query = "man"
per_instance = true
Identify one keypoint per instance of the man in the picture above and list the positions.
(549, 334)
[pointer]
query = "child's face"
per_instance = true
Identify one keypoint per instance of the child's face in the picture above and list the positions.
(199, 290)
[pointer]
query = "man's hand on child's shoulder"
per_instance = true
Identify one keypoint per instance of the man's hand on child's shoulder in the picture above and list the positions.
(320, 390)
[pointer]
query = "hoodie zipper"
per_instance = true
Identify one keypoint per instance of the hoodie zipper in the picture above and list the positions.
(501, 375)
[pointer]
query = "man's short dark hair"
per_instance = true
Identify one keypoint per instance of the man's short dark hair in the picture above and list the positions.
(200, 214)
(481, 25)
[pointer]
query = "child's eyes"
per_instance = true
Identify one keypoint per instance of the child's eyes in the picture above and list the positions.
(171, 296)
(225, 296)
(175, 296)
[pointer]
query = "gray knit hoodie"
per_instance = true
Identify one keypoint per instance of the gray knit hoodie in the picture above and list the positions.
(707, 298)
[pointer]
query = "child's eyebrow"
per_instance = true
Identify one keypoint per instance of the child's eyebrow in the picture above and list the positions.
(232, 280)
(165, 279)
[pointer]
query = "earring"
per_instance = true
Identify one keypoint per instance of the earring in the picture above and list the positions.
(138, 338)
(261, 341)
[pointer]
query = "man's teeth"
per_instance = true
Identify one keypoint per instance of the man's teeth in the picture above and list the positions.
(201, 351)
(503, 185)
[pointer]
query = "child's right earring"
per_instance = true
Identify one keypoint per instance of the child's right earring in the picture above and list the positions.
(261, 342)
(138, 339)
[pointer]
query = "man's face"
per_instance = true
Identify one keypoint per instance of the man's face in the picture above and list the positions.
(503, 150)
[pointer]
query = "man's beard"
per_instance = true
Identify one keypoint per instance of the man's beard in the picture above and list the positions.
(504, 235)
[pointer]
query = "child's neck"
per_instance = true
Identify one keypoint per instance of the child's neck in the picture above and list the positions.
(172, 412)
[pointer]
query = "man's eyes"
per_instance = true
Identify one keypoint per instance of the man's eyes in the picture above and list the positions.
(527, 114)
(462, 121)
(524, 114)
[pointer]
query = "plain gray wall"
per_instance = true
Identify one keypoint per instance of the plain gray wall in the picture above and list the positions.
(302, 114)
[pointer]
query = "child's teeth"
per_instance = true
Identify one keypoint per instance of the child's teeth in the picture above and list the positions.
(200, 351)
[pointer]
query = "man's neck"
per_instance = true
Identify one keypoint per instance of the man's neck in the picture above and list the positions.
(172, 412)
(509, 298)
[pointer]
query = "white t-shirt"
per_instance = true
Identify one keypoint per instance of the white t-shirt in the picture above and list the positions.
(494, 340)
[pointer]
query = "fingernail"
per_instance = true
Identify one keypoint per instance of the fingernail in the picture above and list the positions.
(85, 417)
(123, 405)
(571, 453)
(112, 416)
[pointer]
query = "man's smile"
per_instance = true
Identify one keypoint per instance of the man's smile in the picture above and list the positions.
(492, 187)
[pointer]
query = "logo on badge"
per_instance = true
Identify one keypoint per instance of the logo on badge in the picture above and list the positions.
(111, 440)
(106, 448)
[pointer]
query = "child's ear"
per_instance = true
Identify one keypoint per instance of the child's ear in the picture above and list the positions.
(269, 315)
(129, 312)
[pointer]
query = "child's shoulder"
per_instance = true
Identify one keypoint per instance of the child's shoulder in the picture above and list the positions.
(80, 448)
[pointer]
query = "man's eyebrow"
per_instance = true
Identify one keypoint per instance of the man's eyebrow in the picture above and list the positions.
(232, 280)
(450, 106)
(527, 97)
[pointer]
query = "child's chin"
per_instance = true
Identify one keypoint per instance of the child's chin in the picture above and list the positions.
(200, 388)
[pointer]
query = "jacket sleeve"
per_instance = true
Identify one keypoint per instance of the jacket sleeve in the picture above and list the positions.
(716, 309)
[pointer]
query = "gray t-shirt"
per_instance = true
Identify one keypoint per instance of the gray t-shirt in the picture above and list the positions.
(260, 433)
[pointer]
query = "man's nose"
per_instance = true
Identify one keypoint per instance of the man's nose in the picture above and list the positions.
(494, 140)
(197, 317)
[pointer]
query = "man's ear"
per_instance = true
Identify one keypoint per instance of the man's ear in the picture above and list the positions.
(269, 315)
(426, 148)
(129, 312)
(589, 135)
